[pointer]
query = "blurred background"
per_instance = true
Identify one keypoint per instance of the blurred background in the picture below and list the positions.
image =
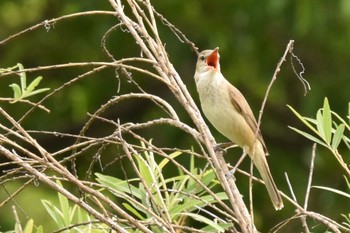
(252, 36)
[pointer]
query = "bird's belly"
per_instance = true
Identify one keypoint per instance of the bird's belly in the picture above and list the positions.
(228, 122)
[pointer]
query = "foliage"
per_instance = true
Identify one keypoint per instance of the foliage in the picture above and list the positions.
(330, 133)
(24, 91)
(28, 228)
(180, 196)
(73, 217)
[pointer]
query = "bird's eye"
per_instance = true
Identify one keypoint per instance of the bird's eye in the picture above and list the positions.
(201, 58)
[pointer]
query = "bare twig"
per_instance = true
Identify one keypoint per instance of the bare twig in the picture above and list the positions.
(45, 23)
(288, 49)
(308, 188)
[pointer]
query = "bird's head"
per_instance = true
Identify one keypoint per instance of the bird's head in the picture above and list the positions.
(208, 60)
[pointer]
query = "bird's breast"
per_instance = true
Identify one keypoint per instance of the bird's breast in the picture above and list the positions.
(219, 110)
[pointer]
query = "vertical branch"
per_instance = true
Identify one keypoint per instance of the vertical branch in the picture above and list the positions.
(154, 50)
(289, 49)
(308, 188)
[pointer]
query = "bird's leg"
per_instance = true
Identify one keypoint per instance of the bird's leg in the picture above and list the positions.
(233, 170)
(223, 147)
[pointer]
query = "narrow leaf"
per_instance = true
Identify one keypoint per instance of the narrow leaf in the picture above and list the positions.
(319, 125)
(29, 226)
(165, 161)
(34, 84)
(309, 136)
(145, 170)
(327, 121)
(338, 136)
(120, 186)
(55, 213)
(2, 70)
(303, 119)
(23, 77)
(193, 170)
(347, 182)
(205, 220)
(36, 92)
(64, 205)
(341, 120)
(191, 204)
(223, 225)
(17, 93)
(133, 211)
(82, 215)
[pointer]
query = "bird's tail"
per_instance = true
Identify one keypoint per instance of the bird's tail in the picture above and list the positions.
(260, 162)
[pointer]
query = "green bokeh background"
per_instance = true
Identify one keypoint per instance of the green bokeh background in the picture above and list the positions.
(252, 36)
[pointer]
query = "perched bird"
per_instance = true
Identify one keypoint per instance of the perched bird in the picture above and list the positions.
(228, 111)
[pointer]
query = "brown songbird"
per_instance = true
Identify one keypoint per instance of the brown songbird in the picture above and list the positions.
(229, 112)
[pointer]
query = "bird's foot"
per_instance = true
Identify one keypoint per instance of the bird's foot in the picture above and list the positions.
(233, 170)
(231, 174)
(223, 147)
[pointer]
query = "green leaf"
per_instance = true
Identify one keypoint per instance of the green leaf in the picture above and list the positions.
(21, 92)
(2, 70)
(338, 135)
(165, 161)
(309, 136)
(319, 125)
(223, 225)
(64, 206)
(133, 211)
(193, 170)
(23, 77)
(327, 121)
(29, 226)
(207, 178)
(205, 220)
(347, 182)
(35, 92)
(82, 215)
(303, 120)
(145, 170)
(17, 93)
(34, 84)
(55, 213)
(39, 229)
(191, 203)
(121, 186)
(177, 195)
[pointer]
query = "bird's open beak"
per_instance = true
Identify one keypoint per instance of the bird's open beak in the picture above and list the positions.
(213, 59)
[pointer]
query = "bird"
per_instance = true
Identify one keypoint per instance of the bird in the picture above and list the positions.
(229, 112)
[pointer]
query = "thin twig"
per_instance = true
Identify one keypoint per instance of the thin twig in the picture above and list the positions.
(288, 49)
(45, 23)
(290, 187)
(308, 188)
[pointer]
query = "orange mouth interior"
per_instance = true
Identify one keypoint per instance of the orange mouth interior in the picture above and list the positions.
(213, 60)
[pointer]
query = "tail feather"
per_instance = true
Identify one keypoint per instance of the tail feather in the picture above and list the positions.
(260, 162)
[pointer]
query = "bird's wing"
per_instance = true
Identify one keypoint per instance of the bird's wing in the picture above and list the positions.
(240, 103)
